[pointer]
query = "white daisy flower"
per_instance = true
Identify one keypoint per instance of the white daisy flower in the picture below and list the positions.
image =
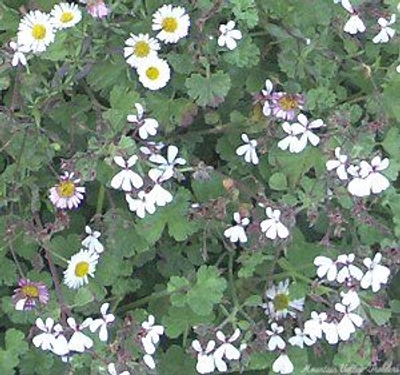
(301, 338)
(65, 15)
(290, 142)
(79, 342)
(340, 164)
(36, 31)
(140, 47)
(229, 35)
(304, 128)
(279, 304)
(226, 350)
(102, 323)
(113, 371)
(142, 204)
(237, 232)
(67, 195)
(173, 23)
(272, 227)
(376, 274)
(349, 321)
(205, 360)
(275, 340)
(248, 150)
(154, 73)
(146, 126)
(166, 167)
(354, 25)
(152, 335)
(349, 270)
(80, 266)
(283, 365)
(126, 179)
(386, 32)
(91, 242)
(19, 53)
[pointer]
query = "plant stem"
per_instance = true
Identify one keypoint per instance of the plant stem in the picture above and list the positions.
(100, 200)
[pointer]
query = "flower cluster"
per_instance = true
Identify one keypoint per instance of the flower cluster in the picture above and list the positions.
(150, 337)
(366, 178)
(210, 358)
(141, 51)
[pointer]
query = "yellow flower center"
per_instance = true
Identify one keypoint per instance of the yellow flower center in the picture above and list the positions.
(66, 189)
(82, 269)
(142, 49)
(30, 291)
(288, 102)
(169, 24)
(39, 31)
(281, 302)
(152, 73)
(66, 17)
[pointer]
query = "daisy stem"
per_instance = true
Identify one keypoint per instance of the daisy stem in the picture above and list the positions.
(59, 256)
(100, 200)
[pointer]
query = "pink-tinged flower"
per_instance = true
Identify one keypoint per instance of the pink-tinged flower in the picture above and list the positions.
(97, 9)
(67, 195)
(28, 294)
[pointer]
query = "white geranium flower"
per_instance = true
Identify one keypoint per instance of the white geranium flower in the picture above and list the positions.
(301, 338)
(313, 327)
(91, 242)
(205, 360)
(272, 227)
(350, 298)
(304, 128)
(290, 142)
(36, 31)
(160, 196)
(283, 365)
(147, 127)
(52, 338)
(248, 150)
(376, 274)
(80, 266)
(237, 232)
(102, 322)
(142, 204)
(349, 270)
(326, 267)
(152, 335)
(354, 25)
(340, 164)
(229, 35)
(140, 47)
(171, 22)
(167, 165)
(19, 54)
(349, 321)
(113, 371)
(149, 361)
(226, 350)
(64, 15)
(79, 342)
(386, 32)
(126, 179)
(152, 148)
(275, 340)
(154, 73)
(331, 332)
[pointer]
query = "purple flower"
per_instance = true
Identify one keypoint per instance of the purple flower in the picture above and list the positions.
(28, 294)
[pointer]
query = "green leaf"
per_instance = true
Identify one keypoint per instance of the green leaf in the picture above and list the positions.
(245, 11)
(176, 361)
(395, 306)
(208, 90)
(391, 141)
(380, 316)
(278, 181)
(246, 54)
(16, 342)
(82, 297)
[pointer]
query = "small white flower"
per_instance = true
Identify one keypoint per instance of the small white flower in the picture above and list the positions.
(348, 271)
(140, 47)
(126, 179)
(64, 15)
(36, 31)
(51, 338)
(275, 340)
(386, 32)
(272, 226)
(79, 342)
(91, 242)
(304, 128)
(354, 25)
(237, 232)
(326, 267)
(154, 73)
(173, 23)
(331, 332)
(152, 335)
(113, 371)
(349, 321)
(146, 126)
(248, 150)
(283, 365)
(102, 322)
(152, 148)
(229, 35)
(160, 196)
(149, 361)
(205, 360)
(142, 204)
(376, 274)
(166, 167)
(398, 68)
(301, 338)
(226, 350)
(350, 298)
(313, 327)
(19, 54)
(340, 164)
(80, 266)
(290, 142)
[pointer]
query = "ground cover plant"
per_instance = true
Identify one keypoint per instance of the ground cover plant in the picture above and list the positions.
(199, 186)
